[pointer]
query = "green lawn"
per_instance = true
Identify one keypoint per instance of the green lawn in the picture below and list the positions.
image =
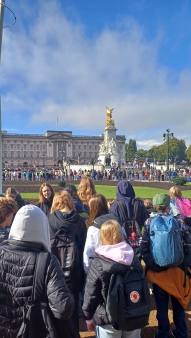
(28, 195)
(142, 192)
(110, 191)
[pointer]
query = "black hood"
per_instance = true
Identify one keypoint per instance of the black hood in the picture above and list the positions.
(101, 219)
(67, 221)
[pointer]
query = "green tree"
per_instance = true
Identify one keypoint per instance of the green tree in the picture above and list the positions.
(188, 153)
(155, 153)
(131, 149)
(177, 150)
(142, 154)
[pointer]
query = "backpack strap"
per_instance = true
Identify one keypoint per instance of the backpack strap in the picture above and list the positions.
(39, 289)
(135, 210)
(122, 210)
(38, 295)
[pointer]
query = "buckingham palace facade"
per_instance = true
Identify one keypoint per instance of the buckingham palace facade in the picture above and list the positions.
(50, 149)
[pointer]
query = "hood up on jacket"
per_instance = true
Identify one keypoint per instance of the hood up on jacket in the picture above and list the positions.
(124, 190)
(31, 225)
(121, 252)
(66, 221)
(125, 193)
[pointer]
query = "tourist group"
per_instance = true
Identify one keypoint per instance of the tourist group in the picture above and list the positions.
(76, 258)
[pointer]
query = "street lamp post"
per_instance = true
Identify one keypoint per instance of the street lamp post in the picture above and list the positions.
(92, 162)
(166, 137)
(43, 160)
(2, 7)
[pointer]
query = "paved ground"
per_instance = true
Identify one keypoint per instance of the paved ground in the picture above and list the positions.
(147, 332)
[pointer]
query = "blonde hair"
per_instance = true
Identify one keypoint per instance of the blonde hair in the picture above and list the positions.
(148, 203)
(111, 233)
(61, 200)
(86, 190)
(175, 192)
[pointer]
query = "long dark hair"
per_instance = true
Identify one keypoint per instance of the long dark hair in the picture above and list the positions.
(42, 199)
(98, 207)
(71, 189)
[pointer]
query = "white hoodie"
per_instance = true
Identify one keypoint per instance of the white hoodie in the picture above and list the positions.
(31, 225)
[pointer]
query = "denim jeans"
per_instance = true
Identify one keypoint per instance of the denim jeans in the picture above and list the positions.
(107, 331)
(162, 298)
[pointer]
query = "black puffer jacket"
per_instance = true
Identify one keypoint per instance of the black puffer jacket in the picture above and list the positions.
(4, 234)
(17, 263)
(97, 286)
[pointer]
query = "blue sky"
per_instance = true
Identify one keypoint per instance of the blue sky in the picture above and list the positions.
(72, 58)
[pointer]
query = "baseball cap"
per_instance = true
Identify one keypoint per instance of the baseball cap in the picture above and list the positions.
(161, 200)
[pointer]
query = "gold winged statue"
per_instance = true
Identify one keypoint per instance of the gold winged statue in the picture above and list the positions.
(109, 115)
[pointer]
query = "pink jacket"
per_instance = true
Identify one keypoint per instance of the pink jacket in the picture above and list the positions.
(120, 252)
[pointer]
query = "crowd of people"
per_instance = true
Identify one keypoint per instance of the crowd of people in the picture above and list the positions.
(113, 173)
(88, 240)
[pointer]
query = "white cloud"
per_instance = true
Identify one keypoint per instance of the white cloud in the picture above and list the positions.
(52, 69)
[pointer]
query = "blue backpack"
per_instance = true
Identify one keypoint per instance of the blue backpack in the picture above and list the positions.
(166, 242)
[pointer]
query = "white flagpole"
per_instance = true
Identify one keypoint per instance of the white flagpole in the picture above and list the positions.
(2, 7)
